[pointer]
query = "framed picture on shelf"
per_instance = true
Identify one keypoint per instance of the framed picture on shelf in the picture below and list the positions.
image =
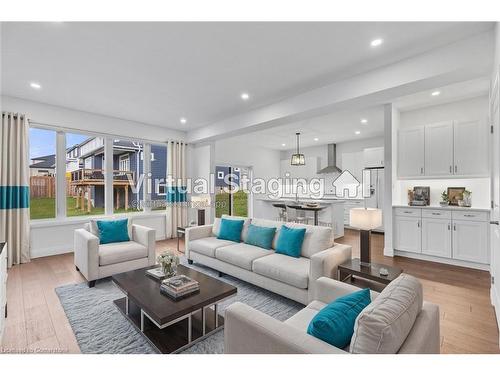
(455, 194)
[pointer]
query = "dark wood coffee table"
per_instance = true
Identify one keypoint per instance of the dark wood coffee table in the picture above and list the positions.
(171, 326)
(370, 271)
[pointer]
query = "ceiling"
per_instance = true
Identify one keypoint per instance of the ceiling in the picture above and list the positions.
(332, 128)
(156, 73)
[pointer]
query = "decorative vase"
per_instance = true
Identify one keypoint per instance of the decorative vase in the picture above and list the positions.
(169, 269)
(168, 262)
(443, 204)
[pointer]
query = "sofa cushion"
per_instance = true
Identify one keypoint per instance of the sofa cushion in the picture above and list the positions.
(241, 255)
(316, 239)
(118, 252)
(260, 236)
(269, 224)
(206, 246)
(230, 230)
(302, 319)
(290, 241)
(383, 325)
(291, 271)
(244, 232)
(334, 323)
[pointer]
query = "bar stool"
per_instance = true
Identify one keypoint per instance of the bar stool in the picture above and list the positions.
(295, 215)
(282, 216)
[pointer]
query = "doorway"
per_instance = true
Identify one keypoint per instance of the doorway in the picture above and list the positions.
(231, 194)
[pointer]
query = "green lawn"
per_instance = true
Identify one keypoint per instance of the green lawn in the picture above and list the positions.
(240, 201)
(45, 208)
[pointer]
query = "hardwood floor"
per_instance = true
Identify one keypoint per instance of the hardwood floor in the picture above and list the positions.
(37, 322)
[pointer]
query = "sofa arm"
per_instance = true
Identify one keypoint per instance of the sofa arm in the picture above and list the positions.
(325, 264)
(328, 290)
(195, 233)
(424, 337)
(86, 249)
(249, 331)
(146, 237)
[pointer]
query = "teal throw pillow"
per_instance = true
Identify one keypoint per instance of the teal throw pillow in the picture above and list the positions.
(290, 241)
(230, 230)
(113, 231)
(334, 323)
(260, 236)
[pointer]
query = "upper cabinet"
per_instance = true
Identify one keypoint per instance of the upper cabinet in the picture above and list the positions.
(439, 149)
(445, 149)
(471, 148)
(411, 152)
(373, 157)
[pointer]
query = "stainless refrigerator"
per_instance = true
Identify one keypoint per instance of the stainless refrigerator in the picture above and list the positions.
(373, 190)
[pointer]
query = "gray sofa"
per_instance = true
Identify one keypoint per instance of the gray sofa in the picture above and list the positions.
(396, 322)
(291, 277)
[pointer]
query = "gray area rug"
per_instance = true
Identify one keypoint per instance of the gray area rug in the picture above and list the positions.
(100, 328)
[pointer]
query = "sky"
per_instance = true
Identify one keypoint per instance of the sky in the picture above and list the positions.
(43, 142)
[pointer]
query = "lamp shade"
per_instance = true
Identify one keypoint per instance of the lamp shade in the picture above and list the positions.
(365, 218)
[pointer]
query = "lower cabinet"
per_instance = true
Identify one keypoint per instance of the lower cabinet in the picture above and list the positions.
(436, 237)
(408, 234)
(470, 241)
(461, 235)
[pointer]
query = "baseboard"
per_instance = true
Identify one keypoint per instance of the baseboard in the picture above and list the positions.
(453, 262)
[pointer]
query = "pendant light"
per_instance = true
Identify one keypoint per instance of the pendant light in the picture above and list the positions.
(298, 158)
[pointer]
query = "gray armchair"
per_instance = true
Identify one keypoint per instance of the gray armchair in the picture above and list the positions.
(96, 261)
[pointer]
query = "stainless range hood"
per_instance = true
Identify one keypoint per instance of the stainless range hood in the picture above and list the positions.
(332, 161)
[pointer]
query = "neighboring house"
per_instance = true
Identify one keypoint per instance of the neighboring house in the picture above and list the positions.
(43, 166)
(127, 168)
(221, 173)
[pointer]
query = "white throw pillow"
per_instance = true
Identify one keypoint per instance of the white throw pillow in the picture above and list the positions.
(383, 325)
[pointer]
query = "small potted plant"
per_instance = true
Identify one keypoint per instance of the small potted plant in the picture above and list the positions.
(168, 262)
(467, 199)
(444, 199)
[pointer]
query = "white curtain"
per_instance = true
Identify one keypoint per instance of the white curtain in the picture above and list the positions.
(14, 187)
(176, 194)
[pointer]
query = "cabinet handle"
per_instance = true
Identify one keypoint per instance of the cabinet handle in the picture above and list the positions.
(469, 215)
(451, 170)
(418, 224)
(454, 227)
(449, 226)
(421, 170)
(407, 212)
(436, 213)
(456, 169)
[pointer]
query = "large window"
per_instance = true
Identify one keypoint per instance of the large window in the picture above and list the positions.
(158, 176)
(84, 175)
(128, 180)
(42, 173)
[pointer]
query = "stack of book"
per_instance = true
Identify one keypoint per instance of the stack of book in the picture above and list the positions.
(179, 286)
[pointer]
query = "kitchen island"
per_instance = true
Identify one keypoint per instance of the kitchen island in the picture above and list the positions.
(332, 214)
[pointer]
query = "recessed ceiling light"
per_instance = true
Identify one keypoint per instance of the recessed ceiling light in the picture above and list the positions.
(245, 96)
(364, 121)
(183, 120)
(35, 85)
(376, 42)
(316, 139)
(283, 144)
(436, 93)
(357, 132)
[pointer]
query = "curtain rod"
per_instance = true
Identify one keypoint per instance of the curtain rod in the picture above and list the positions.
(97, 134)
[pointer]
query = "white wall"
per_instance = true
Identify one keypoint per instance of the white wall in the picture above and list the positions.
(200, 165)
(469, 109)
(496, 61)
(264, 162)
(79, 120)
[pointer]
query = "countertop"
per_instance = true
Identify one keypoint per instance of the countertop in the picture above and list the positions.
(453, 208)
(320, 200)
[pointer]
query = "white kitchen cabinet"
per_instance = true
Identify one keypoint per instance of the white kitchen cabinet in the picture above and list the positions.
(436, 237)
(411, 152)
(470, 140)
(373, 157)
(439, 149)
(408, 234)
(470, 241)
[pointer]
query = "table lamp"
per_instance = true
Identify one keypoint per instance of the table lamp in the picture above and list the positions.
(365, 219)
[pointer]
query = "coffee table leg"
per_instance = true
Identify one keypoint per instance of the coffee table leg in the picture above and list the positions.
(216, 316)
(203, 320)
(142, 321)
(190, 323)
(126, 305)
